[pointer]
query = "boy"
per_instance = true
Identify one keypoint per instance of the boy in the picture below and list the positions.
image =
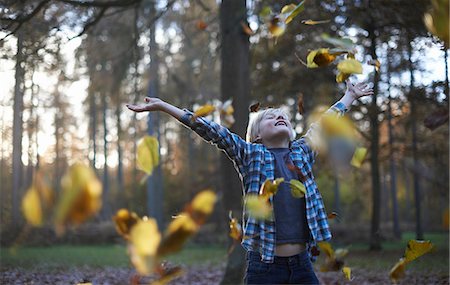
(279, 249)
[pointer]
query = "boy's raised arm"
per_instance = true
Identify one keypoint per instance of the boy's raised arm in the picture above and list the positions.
(232, 144)
(313, 136)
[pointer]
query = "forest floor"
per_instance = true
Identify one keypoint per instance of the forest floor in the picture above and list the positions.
(109, 264)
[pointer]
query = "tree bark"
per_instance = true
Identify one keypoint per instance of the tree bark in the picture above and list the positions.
(235, 83)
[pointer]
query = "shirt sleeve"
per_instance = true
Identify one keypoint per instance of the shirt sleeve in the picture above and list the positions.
(234, 146)
(313, 138)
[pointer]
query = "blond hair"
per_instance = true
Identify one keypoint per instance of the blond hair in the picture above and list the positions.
(253, 128)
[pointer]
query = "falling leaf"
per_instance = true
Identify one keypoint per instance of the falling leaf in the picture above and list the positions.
(290, 11)
(417, 248)
(166, 275)
(358, 157)
(246, 29)
(298, 190)
(332, 215)
(265, 12)
(270, 187)
(319, 58)
(347, 272)
(326, 247)
(340, 253)
(254, 107)
(437, 20)
(350, 66)
(337, 126)
(203, 111)
(235, 228)
(176, 235)
(376, 63)
(144, 241)
(398, 271)
(124, 221)
(258, 207)
(334, 261)
(312, 22)
(37, 200)
(276, 26)
(81, 197)
(201, 25)
(202, 206)
(445, 219)
(300, 107)
(147, 154)
(344, 43)
(341, 77)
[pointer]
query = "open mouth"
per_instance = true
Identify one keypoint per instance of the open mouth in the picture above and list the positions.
(281, 123)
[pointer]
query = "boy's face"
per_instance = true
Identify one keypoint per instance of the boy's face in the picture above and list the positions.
(275, 127)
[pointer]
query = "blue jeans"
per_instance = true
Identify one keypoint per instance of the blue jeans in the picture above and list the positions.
(296, 269)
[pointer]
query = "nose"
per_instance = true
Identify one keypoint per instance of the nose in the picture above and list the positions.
(280, 117)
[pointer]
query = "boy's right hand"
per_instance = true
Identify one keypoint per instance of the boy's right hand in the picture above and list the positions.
(152, 104)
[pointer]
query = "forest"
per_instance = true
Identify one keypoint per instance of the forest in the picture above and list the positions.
(94, 193)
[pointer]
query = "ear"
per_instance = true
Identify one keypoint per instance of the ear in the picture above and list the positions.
(257, 140)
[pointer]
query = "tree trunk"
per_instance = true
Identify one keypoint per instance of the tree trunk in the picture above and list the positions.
(375, 242)
(416, 176)
(17, 130)
(105, 208)
(393, 172)
(235, 83)
(154, 181)
(120, 186)
(93, 107)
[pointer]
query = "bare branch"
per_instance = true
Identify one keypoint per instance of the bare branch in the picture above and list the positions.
(91, 23)
(101, 4)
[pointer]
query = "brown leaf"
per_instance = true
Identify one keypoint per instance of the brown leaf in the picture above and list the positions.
(300, 107)
(254, 107)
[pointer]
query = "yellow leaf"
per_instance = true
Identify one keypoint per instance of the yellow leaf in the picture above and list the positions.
(124, 221)
(167, 275)
(398, 271)
(341, 77)
(358, 157)
(376, 63)
(319, 58)
(312, 22)
(347, 272)
(203, 202)
(178, 232)
(298, 190)
(204, 111)
(326, 247)
(437, 20)
(31, 207)
(350, 66)
(80, 197)
(270, 187)
(276, 26)
(258, 207)
(147, 154)
(337, 126)
(235, 229)
(144, 241)
(417, 248)
(289, 12)
(340, 253)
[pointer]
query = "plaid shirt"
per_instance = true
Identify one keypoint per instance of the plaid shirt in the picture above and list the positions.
(255, 164)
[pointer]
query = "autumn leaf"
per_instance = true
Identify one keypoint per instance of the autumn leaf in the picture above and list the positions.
(254, 107)
(176, 235)
(334, 259)
(347, 272)
(343, 43)
(80, 197)
(445, 219)
(166, 275)
(312, 22)
(358, 157)
(203, 111)
(298, 190)
(235, 228)
(437, 20)
(337, 126)
(270, 187)
(332, 215)
(319, 58)
(147, 154)
(246, 29)
(327, 248)
(350, 66)
(289, 12)
(376, 63)
(258, 206)
(276, 26)
(144, 241)
(201, 25)
(202, 206)
(266, 11)
(37, 201)
(398, 271)
(341, 77)
(417, 248)
(124, 221)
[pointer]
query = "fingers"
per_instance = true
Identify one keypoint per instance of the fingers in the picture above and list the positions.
(135, 108)
(147, 99)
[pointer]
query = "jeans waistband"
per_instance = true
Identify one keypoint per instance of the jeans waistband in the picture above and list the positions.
(294, 259)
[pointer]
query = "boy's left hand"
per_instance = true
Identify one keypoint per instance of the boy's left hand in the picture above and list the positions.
(357, 90)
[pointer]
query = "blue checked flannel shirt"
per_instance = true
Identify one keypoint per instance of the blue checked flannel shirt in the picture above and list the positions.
(255, 164)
